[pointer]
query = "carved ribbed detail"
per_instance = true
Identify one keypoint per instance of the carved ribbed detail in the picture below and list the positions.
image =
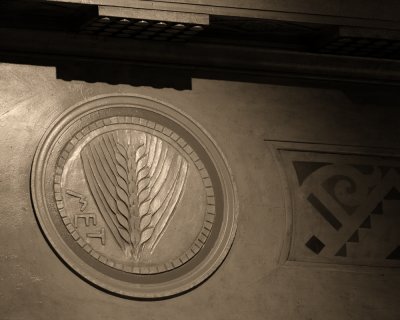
(136, 180)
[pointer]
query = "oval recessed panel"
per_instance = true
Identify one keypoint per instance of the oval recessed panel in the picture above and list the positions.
(134, 196)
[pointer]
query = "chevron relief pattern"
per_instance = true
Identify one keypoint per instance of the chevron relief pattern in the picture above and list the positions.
(136, 180)
(355, 208)
(345, 206)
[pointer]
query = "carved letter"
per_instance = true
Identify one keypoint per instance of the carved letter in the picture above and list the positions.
(100, 235)
(87, 217)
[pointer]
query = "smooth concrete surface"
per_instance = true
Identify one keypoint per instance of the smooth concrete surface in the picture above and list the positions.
(252, 283)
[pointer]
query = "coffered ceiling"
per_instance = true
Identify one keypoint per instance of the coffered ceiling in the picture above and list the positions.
(257, 37)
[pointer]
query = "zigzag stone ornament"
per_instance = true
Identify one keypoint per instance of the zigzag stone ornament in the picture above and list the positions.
(134, 196)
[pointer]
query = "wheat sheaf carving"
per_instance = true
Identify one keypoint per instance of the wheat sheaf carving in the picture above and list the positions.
(136, 180)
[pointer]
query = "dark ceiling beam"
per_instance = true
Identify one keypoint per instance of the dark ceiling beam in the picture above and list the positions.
(197, 59)
(356, 13)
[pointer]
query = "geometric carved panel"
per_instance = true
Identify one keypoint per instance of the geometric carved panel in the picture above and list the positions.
(345, 205)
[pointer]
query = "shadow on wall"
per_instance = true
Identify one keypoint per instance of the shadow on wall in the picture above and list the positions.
(116, 73)
(109, 71)
(180, 77)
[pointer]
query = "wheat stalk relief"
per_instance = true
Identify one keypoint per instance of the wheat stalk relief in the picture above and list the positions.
(136, 180)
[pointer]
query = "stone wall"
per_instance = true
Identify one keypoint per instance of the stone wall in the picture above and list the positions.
(273, 271)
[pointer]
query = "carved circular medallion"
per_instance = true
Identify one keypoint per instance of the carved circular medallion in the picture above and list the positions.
(134, 196)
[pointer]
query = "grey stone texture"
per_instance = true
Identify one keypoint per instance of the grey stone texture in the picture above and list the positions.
(253, 282)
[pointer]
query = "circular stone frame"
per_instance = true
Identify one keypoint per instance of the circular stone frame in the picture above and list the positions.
(170, 282)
